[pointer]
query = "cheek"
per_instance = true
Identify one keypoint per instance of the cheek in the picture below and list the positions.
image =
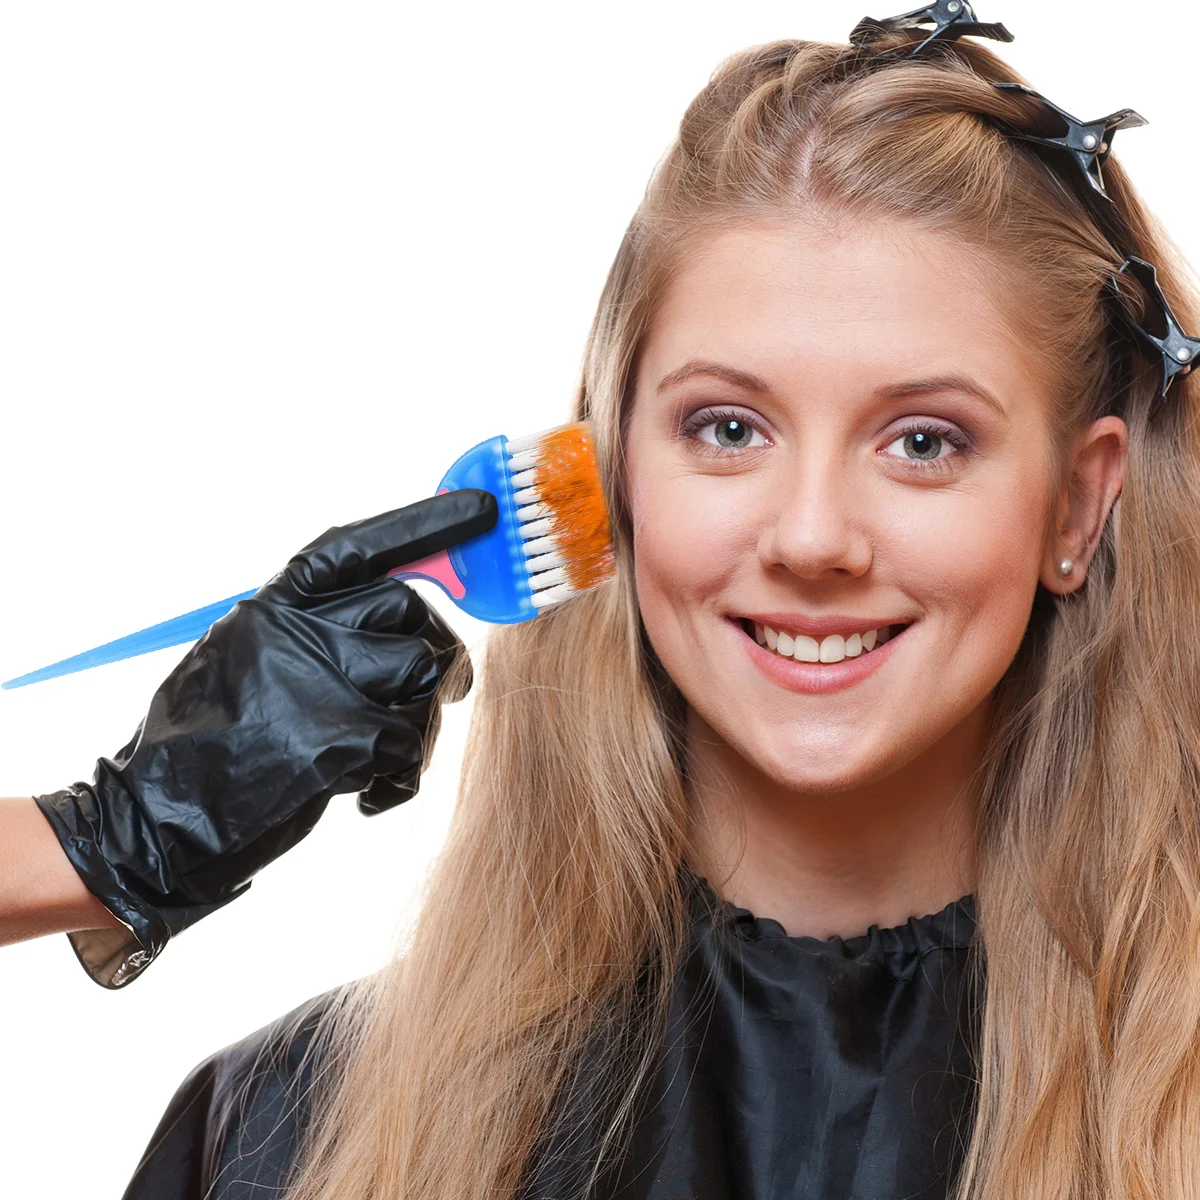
(690, 540)
(979, 573)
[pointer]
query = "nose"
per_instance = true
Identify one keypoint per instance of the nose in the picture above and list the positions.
(817, 522)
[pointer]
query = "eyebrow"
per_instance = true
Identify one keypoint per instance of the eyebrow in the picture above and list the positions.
(916, 387)
(699, 366)
(944, 383)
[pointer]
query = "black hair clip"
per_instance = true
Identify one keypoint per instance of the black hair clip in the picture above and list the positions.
(951, 20)
(1160, 331)
(1089, 142)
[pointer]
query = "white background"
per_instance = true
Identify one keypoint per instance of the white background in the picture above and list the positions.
(269, 267)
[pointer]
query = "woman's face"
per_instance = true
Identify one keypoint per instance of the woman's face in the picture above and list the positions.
(835, 439)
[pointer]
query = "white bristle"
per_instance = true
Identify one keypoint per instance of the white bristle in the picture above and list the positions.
(543, 562)
(517, 445)
(522, 462)
(535, 529)
(548, 579)
(552, 596)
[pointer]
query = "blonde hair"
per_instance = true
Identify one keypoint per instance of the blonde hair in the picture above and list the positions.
(557, 911)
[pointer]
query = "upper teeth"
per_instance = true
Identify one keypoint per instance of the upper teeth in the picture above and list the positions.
(830, 649)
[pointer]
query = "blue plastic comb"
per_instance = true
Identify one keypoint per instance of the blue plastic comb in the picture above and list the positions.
(503, 576)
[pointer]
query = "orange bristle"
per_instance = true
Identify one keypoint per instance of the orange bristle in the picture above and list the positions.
(568, 483)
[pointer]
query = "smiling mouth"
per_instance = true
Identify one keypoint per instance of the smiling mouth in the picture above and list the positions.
(833, 648)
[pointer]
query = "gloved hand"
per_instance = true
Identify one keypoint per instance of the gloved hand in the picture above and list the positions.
(325, 681)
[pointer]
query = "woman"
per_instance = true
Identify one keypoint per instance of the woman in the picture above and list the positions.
(919, 917)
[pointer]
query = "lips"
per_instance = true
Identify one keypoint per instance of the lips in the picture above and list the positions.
(818, 677)
(810, 647)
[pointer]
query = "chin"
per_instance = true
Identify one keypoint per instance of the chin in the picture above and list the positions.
(822, 769)
(826, 782)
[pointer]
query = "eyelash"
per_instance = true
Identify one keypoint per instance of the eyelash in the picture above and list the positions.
(947, 433)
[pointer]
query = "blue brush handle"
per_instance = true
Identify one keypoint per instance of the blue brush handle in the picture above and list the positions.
(486, 576)
(174, 632)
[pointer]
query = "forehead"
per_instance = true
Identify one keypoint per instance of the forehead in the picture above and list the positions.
(856, 303)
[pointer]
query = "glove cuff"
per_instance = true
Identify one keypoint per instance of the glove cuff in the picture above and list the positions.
(113, 957)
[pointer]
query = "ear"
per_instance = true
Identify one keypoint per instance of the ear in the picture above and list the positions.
(1095, 472)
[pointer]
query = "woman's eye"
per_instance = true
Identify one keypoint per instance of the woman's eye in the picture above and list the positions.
(927, 444)
(728, 433)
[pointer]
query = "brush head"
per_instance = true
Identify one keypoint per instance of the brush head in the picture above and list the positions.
(564, 524)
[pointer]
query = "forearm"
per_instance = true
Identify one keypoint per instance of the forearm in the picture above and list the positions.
(40, 892)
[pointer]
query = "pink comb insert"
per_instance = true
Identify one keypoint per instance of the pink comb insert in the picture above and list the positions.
(435, 569)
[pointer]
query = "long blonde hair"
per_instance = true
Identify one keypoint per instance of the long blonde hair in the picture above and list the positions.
(556, 908)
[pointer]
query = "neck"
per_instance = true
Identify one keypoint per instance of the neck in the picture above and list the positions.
(837, 862)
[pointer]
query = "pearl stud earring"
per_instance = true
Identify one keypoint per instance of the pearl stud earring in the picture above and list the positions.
(1066, 567)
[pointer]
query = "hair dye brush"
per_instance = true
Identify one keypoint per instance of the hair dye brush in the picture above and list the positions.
(550, 541)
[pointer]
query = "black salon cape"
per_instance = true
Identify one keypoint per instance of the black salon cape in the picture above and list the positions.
(837, 1069)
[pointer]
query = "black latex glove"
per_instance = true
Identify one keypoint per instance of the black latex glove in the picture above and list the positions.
(325, 681)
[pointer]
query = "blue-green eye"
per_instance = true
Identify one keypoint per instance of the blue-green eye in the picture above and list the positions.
(923, 446)
(733, 435)
(927, 442)
(725, 431)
